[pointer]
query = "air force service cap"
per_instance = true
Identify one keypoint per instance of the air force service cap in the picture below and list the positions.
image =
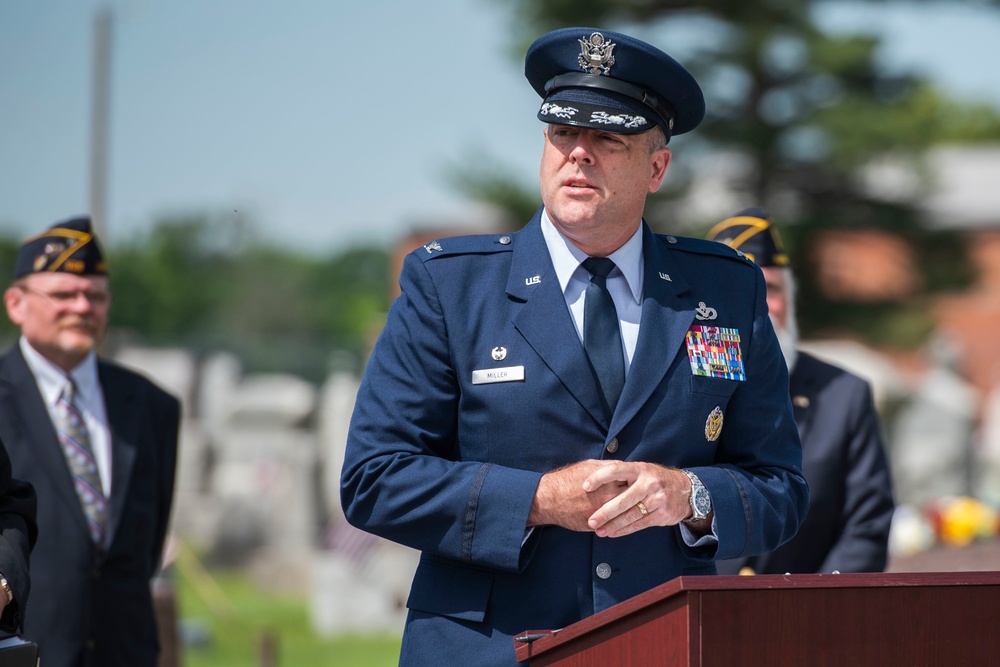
(68, 247)
(606, 80)
(751, 232)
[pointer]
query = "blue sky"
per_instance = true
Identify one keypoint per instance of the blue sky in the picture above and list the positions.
(323, 123)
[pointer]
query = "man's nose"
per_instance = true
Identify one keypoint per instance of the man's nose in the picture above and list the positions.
(582, 151)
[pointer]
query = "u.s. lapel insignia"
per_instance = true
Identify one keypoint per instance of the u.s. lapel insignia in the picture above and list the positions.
(713, 425)
(533, 280)
(703, 312)
(665, 276)
(499, 353)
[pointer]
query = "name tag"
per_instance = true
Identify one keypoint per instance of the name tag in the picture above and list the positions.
(491, 375)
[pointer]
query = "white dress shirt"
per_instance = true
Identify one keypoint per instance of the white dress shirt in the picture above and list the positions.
(89, 399)
(624, 283)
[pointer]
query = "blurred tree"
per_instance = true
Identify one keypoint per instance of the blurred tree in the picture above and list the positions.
(168, 284)
(206, 285)
(189, 283)
(796, 114)
(8, 254)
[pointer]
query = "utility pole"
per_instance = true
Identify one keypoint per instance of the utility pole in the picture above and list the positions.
(99, 116)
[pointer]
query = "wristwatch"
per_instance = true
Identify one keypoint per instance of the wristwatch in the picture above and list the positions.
(6, 589)
(701, 499)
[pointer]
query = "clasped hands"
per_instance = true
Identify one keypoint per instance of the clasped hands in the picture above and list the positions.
(607, 497)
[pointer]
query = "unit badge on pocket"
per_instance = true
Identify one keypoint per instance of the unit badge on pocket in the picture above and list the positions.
(713, 425)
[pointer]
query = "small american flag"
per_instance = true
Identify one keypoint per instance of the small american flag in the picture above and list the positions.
(352, 543)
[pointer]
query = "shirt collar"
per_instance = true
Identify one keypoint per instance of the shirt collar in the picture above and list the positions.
(566, 257)
(51, 379)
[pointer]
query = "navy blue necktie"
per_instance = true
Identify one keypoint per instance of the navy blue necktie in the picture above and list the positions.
(601, 335)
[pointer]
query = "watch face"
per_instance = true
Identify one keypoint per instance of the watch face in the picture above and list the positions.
(702, 502)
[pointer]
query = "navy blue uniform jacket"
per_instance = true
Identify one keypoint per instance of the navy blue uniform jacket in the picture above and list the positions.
(850, 488)
(450, 468)
(91, 609)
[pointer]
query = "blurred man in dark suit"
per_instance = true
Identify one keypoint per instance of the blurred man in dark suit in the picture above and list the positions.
(99, 444)
(850, 507)
(17, 535)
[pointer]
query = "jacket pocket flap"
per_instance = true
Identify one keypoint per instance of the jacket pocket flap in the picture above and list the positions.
(450, 590)
(714, 386)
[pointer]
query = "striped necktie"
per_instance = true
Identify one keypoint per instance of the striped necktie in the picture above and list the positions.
(75, 442)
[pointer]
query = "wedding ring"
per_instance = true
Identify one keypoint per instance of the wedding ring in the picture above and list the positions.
(642, 508)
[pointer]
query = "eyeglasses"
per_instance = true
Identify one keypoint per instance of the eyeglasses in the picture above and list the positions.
(69, 297)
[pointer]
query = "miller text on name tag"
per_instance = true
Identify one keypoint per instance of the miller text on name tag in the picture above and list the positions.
(491, 375)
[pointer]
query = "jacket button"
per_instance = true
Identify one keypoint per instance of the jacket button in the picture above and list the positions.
(604, 571)
(90, 644)
(612, 446)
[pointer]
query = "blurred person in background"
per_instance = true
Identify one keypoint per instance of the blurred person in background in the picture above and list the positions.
(17, 535)
(540, 416)
(99, 444)
(843, 458)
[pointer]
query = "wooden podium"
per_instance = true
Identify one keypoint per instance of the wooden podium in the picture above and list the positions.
(840, 620)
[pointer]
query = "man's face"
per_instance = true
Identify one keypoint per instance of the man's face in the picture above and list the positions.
(594, 184)
(62, 316)
(777, 296)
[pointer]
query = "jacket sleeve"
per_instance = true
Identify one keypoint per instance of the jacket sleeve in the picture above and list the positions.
(403, 478)
(168, 421)
(862, 545)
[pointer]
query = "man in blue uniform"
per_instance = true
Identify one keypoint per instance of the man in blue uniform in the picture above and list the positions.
(562, 418)
(844, 462)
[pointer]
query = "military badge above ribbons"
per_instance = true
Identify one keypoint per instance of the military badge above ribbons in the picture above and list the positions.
(715, 352)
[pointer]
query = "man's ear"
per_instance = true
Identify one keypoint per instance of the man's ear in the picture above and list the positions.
(13, 300)
(661, 160)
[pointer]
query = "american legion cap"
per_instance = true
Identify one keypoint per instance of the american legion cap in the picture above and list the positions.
(68, 246)
(751, 232)
(609, 81)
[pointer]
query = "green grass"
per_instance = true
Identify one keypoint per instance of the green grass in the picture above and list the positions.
(238, 615)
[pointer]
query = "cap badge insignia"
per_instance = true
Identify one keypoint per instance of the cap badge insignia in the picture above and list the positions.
(40, 262)
(431, 247)
(499, 353)
(703, 312)
(595, 54)
(713, 425)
